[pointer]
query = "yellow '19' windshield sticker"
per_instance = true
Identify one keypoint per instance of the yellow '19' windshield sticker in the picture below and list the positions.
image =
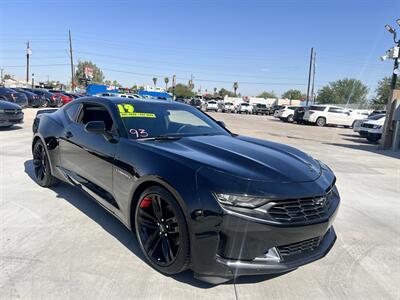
(128, 111)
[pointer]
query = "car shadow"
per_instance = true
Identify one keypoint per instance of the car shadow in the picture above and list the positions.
(12, 128)
(114, 227)
(366, 146)
(351, 135)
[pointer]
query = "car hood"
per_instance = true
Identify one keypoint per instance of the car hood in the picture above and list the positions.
(8, 105)
(244, 157)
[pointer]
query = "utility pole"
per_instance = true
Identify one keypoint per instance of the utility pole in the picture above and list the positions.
(313, 78)
(309, 76)
(28, 53)
(72, 62)
(2, 76)
(173, 86)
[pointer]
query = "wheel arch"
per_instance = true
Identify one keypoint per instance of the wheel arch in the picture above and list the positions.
(155, 181)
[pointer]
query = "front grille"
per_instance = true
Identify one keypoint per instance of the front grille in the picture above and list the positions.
(366, 125)
(301, 210)
(290, 250)
(12, 111)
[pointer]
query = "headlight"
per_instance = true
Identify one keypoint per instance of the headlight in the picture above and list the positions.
(242, 201)
(377, 127)
(2, 111)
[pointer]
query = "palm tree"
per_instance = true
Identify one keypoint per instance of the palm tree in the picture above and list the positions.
(235, 87)
(215, 91)
(155, 82)
(166, 80)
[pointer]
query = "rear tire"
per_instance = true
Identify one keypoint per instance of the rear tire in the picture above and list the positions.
(41, 166)
(162, 232)
(321, 122)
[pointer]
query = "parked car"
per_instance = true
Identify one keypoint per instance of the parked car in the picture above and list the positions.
(286, 114)
(106, 94)
(211, 105)
(277, 111)
(274, 108)
(259, 108)
(196, 195)
(10, 95)
(322, 115)
(226, 107)
(357, 124)
(244, 108)
(299, 114)
(10, 114)
(196, 103)
(48, 99)
(33, 99)
(64, 98)
(372, 130)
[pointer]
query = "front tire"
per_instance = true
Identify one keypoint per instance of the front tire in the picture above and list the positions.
(290, 118)
(41, 166)
(162, 231)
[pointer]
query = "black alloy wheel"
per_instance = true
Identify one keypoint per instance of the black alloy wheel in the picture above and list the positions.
(162, 231)
(41, 166)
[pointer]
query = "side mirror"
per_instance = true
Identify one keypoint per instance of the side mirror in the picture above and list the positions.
(222, 124)
(95, 127)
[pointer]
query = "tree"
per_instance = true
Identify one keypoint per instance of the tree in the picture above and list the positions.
(382, 92)
(235, 87)
(267, 95)
(215, 90)
(293, 94)
(182, 90)
(98, 76)
(343, 91)
(224, 92)
(155, 82)
(166, 80)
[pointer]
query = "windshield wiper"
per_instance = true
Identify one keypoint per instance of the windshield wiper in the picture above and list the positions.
(161, 138)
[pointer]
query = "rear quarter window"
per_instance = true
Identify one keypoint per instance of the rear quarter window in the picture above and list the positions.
(72, 111)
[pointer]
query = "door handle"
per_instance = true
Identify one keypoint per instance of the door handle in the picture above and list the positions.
(68, 134)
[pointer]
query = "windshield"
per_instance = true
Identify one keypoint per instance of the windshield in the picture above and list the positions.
(261, 105)
(149, 120)
(376, 117)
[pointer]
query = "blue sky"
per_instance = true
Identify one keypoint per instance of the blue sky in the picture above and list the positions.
(264, 45)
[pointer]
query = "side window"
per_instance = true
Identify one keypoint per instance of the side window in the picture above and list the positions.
(335, 110)
(72, 111)
(96, 112)
(123, 96)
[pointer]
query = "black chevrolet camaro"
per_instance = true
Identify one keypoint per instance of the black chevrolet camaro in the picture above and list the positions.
(196, 195)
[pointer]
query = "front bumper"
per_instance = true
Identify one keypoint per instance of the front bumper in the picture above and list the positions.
(229, 242)
(7, 120)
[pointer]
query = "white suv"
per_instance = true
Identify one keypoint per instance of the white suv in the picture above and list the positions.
(326, 114)
(372, 130)
(212, 105)
(357, 125)
(244, 108)
(286, 114)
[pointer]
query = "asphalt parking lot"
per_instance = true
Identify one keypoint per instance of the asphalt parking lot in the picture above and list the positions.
(58, 244)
